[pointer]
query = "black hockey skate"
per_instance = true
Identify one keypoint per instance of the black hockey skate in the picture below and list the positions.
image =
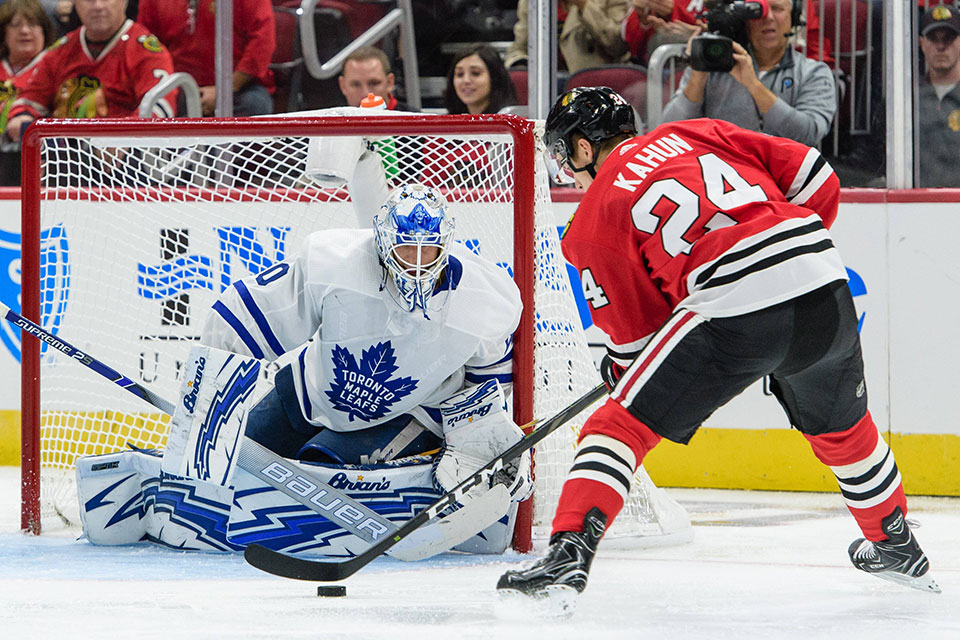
(561, 575)
(898, 558)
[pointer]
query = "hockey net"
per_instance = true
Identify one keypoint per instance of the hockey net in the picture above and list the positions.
(132, 228)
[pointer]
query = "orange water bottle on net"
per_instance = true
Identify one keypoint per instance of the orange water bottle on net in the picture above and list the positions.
(385, 147)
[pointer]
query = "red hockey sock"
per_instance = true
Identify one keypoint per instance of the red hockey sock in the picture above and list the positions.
(612, 445)
(866, 471)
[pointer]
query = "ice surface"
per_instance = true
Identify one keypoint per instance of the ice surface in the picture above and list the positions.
(762, 565)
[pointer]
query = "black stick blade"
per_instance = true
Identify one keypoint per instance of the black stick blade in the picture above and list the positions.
(314, 570)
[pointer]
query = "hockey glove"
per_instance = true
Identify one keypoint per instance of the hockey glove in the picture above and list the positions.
(610, 371)
(476, 429)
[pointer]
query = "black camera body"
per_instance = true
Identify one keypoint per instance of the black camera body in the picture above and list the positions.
(726, 24)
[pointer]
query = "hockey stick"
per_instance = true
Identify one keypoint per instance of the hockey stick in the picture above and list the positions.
(333, 570)
(87, 360)
(360, 520)
(441, 536)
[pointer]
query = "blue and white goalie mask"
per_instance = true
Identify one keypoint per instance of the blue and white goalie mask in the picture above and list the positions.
(413, 234)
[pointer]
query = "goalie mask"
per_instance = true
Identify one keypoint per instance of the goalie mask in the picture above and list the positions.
(413, 232)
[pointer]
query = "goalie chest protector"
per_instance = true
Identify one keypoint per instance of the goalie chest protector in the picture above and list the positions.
(369, 360)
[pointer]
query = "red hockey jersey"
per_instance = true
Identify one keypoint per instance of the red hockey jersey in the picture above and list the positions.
(189, 30)
(703, 215)
(129, 66)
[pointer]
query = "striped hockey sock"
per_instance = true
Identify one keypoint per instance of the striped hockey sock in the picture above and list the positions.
(866, 472)
(603, 466)
(600, 477)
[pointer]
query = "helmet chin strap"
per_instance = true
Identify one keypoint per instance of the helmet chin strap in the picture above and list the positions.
(590, 167)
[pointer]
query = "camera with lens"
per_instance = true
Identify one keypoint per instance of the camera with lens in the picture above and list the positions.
(726, 24)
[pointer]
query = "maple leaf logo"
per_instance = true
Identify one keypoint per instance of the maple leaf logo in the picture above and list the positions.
(366, 390)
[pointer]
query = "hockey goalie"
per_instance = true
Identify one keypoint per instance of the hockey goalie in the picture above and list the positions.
(392, 351)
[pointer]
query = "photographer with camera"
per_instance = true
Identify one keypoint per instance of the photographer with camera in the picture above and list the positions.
(745, 71)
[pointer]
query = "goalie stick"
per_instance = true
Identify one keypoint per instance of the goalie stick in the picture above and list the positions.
(86, 360)
(333, 570)
(440, 536)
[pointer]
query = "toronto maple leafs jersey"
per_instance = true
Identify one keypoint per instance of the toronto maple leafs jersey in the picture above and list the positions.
(358, 358)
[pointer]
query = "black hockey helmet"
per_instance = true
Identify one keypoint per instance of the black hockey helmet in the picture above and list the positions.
(596, 113)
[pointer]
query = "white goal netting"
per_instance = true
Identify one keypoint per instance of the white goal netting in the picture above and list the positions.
(139, 232)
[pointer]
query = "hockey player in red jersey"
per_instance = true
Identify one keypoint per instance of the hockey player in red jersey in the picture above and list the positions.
(102, 69)
(706, 258)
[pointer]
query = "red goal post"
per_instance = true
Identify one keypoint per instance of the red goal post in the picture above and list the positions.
(519, 129)
(100, 192)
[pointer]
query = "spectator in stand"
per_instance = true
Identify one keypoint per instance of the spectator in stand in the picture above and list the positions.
(189, 27)
(589, 34)
(939, 102)
(26, 31)
(104, 68)
(656, 22)
(57, 10)
(365, 71)
(652, 23)
(65, 18)
(810, 37)
(771, 88)
(477, 82)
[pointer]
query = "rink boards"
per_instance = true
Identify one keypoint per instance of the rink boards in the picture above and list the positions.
(905, 276)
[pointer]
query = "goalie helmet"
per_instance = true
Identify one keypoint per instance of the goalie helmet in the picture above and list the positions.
(596, 113)
(413, 232)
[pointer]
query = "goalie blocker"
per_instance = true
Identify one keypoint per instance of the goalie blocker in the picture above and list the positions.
(199, 498)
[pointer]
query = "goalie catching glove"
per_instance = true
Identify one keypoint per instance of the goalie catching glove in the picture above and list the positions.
(476, 429)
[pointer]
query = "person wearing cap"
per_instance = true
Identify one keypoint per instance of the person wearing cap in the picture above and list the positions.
(938, 120)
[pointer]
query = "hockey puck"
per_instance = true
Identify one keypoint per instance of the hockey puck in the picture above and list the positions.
(331, 591)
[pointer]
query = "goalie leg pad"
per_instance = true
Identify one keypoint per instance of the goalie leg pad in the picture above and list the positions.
(110, 492)
(495, 538)
(210, 417)
(125, 498)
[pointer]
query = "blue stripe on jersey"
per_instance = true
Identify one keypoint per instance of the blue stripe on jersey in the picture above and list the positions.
(454, 273)
(241, 330)
(476, 378)
(305, 395)
(259, 318)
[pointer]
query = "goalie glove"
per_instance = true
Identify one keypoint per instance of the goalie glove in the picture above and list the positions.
(476, 429)
(610, 371)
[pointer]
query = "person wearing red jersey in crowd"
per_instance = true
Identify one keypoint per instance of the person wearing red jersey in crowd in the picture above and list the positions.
(652, 23)
(188, 28)
(706, 258)
(25, 31)
(104, 68)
